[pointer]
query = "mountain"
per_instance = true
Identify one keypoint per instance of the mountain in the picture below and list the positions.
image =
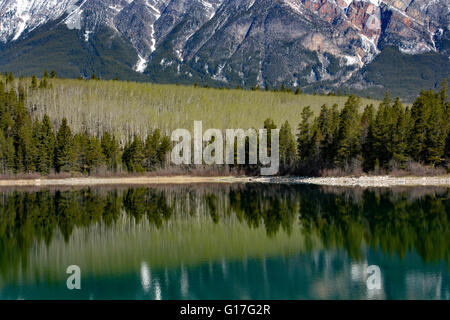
(312, 44)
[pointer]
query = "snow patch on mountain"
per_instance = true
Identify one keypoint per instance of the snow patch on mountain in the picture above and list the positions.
(209, 7)
(155, 10)
(116, 8)
(73, 20)
(152, 39)
(295, 5)
(141, 65)
(86, 35)
(23, 12)
(219, 76)
(353, 60)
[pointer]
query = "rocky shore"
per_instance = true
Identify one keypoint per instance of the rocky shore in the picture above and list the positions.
(363, 181)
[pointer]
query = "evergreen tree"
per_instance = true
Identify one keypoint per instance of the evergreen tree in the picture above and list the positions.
(45, 144)
(44, 83)
(80, 146)
(94, 156)
(25, 149)
(287, 146)
(64, 148)
(429, 117)
(7, 124)
(22, 95)
(6, 153)
(446, 109)
(23, 137)
(151, 150)
(155, 149)
(324, 135)
(36, 132)
(447, 147)
(111, 151)
(383, 133)
(10, 78)
(443, 91)
(331, 138)
(436, 136)
(269, 125)
(400, 133)
(348, 143)
(133, 155)
(34, 83)
(368, 139)
(304, 133)
(163, 149)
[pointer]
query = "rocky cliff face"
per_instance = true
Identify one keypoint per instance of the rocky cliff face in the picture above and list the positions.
(246, 42)
(24, 15)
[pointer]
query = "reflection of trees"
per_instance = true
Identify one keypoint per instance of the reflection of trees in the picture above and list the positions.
(144, 202)
(211, 200)
(393, 222)
(26, 218)
(271, 208)
(381, 219)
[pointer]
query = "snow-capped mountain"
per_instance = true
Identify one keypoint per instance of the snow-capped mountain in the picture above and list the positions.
(18, 16)
(246, 42)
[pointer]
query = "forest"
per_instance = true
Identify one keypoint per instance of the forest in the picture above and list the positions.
(354, 138)
(32, 145)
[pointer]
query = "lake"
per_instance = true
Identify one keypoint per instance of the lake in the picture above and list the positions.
(242, 241)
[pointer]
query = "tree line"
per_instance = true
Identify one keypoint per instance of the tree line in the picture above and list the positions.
(389, 137)
(30, 145)
(386, 138)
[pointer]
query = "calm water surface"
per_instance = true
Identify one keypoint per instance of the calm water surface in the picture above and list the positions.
(225, 242)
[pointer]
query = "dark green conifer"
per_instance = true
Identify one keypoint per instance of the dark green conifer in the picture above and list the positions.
(348, 143)
(64, 148)
(111, 151)
(287, 146)
(45, 142)
(34, 83)
(133, 155)
(304, 133)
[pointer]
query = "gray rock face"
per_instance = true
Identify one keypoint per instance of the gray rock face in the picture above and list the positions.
(19, 16)
(249, 42)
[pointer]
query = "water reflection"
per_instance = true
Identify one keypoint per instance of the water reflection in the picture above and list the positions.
(252, 241)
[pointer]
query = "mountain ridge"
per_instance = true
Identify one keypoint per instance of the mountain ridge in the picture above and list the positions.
(307, 44)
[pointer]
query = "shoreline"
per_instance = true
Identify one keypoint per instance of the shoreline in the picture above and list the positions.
(363, 181)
